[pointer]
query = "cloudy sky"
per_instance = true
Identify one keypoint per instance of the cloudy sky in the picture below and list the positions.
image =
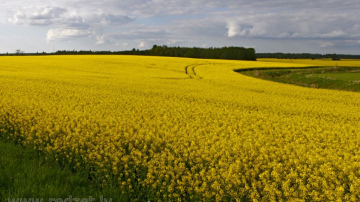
(330, 26)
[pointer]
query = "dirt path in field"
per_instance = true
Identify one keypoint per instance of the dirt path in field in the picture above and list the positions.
(190, 71)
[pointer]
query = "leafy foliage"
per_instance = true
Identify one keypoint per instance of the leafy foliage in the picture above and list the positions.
(232, 53)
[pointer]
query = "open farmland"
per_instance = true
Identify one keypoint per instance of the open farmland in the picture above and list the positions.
(190, 129)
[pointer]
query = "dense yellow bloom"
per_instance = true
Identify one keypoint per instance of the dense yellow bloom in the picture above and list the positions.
(206, 133)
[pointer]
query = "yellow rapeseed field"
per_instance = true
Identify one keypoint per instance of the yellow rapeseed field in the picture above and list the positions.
(185, 129)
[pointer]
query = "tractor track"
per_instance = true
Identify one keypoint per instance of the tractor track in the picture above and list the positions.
(190, 71)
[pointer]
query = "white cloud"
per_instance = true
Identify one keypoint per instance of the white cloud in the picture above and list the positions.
(67, 34)
(284, 35)
(171, 42)
(38, 16)
(245, 29)
(100, 40)
(258, 29)
(18, 18)
(233, 29)
(334, 34)
(177, 22)
(326, 44)
(296, 25)
(110, 19)
(142, 44)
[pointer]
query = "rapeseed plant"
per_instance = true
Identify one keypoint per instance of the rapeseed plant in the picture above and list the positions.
(145, 124)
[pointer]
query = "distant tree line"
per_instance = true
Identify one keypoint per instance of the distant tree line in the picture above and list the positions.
(231, 53)
(19, 52)
(306, 56)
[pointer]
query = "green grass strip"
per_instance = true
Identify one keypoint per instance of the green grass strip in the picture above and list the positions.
(338, 78)
(26, 175)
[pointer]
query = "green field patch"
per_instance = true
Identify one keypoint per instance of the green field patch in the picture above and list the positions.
(348, 76)
(340, 78)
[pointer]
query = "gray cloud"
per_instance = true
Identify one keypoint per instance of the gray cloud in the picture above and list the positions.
(39, 17)
(300, 25)
(322, 24)
(67, 33)
(113, 20)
